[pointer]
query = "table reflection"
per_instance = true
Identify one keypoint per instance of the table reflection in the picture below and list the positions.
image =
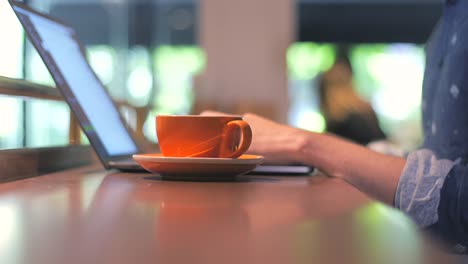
(99, 217)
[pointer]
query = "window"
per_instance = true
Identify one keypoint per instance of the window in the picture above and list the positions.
(11, 46)
(11, 54)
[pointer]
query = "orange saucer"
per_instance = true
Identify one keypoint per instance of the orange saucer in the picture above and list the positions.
(204, 169)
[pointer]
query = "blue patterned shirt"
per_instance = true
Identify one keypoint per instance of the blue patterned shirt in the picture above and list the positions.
(433, 187)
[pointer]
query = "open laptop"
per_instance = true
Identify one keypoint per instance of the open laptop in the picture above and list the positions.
(64, 56)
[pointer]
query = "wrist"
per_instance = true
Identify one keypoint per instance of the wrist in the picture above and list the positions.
(300, 141)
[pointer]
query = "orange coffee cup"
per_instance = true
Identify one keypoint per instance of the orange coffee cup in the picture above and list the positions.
(203, 136)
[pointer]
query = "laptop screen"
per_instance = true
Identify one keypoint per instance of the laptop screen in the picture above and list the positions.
(68, 65)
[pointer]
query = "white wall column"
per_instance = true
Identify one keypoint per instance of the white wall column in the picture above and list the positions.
(245, 42)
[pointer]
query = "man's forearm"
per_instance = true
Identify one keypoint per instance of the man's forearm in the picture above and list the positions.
(371, 172)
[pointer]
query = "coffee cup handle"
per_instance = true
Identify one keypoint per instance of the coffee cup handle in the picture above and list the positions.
(229, 149)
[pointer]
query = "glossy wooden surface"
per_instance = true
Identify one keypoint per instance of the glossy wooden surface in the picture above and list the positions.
(22, 163)
(88, 215)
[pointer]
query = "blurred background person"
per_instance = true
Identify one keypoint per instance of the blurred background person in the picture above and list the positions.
(346, 114)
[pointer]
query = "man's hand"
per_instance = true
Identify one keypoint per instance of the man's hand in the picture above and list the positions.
(278, 143)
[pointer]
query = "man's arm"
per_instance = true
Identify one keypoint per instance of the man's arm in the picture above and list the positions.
(371, 172)
(431, 191)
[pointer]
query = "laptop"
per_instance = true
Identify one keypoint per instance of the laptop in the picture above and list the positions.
(98, 116)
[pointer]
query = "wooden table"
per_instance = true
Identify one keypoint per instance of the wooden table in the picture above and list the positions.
(88, 215)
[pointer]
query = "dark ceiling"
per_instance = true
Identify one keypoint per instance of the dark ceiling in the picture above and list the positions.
(367, 21)
(148, 23)
(346, 21)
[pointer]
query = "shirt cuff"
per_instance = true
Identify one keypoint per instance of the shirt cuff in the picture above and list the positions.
(418, 191)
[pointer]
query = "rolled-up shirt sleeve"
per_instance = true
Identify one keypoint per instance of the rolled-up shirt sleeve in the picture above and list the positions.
(434, 193)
